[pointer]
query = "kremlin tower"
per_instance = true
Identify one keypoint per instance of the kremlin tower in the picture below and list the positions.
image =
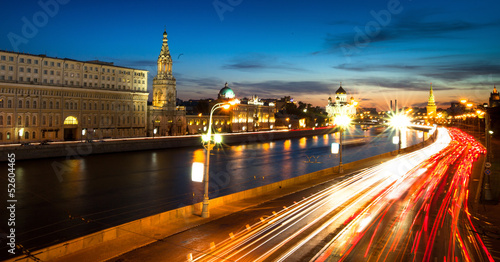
(431, 105)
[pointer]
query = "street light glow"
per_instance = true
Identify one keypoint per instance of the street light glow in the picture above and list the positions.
(342, 121)
(399, 121)
(217, 138)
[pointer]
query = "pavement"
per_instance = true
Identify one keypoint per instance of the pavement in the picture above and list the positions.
(486, 209)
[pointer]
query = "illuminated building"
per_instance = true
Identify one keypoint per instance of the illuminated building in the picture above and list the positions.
(164, 117)
(249, 115)
(341, 106)
(494, 98)
(48, 98)
(431, 106)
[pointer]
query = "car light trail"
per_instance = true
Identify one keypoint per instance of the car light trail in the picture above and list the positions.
(424, 224)
(282, 234)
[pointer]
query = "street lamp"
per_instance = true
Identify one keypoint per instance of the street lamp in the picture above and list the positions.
(209, 144)
(399, 121)
(343, 121)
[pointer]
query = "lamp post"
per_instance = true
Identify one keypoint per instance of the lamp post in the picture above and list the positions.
(209, 144)
(399, 121)
(343, 121)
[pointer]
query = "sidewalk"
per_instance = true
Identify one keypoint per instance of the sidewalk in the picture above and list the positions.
(487, 212)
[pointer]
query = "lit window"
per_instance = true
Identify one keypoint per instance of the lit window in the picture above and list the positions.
(70, 120)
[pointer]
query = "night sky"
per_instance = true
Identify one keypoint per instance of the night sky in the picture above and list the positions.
(379, 50)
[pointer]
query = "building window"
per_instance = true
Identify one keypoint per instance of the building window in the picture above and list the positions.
(19, 120)
(27, 104)
(33, 120)
(9, 103)
(1, 103)
(34, 133)
(26, 135)
(1, 120)
(34, 104)
(21, 69)
(57, 104)
(20, 104)
(8, 135)
(44, 104)
(66, 106)
(50, 120)
(9, 120)
(84, 106)
(21, 60)
(70, 120)
(44, 120)
(27, 121)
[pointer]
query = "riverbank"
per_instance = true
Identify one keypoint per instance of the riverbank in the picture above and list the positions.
(80, 148)
(113, 241)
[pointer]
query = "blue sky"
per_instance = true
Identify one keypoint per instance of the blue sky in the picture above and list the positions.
(380, 50)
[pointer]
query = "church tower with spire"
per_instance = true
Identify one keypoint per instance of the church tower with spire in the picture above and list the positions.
(431, 105)
(165, 118)
(164, 90)
(494, 98)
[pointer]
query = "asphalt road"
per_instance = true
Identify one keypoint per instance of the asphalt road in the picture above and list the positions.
(427, 221)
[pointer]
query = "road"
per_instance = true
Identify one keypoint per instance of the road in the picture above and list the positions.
(421, 217)
(295, 232)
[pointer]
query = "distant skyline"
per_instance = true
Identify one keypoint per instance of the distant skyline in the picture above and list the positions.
(379, 50)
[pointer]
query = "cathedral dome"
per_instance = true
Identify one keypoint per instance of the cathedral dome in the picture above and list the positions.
(226, 93)
(341, 90)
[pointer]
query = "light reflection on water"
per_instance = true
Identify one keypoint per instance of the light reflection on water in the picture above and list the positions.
(116, 188)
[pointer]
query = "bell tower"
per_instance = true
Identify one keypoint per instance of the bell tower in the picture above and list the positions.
(431, 105)
(164, 90)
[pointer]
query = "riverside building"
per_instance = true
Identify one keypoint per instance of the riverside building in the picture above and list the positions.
(48, 98)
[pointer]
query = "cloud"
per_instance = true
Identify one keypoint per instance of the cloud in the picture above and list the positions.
(445, 72)
(259, 62)
(365, 68)
(281, 88)
(209, 84)
(458, 72)
(410, 26)
(406, 84)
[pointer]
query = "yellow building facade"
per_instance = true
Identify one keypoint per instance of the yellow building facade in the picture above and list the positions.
(47, 98)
